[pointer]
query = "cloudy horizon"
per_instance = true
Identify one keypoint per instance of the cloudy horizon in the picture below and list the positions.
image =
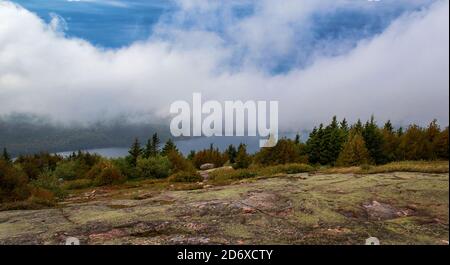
(317, 58)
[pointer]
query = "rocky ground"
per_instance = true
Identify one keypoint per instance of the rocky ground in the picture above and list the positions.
(397, 208)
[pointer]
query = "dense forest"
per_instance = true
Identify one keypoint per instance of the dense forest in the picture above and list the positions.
(42, 178)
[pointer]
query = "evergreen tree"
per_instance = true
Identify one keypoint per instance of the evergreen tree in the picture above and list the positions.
(413, 144)
(243, 160)
(313, 145)
(441, 143)
(390, 142)
(297, 139)
(432, 133)
(358, 127)
(388, 127)
(231, 153)
(134, 152)
(152, 147)
(169, 147)
(354, 152)
(374, 141)
(344, 125)
(191, 155)
(5, 156)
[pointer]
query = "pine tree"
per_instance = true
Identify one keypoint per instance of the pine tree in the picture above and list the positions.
(297, 139)
(441, 143)
(231, 153)
(243, 160)
(432, 133)
(5, 156)
(191, 155)
(169, 147)
(354, 152)
(313, 145)
(134, 152)
(344, 125)
(358, 127)
(390, 142)
(388, 127)
(413, 144)
(374, 141)
(152, 147)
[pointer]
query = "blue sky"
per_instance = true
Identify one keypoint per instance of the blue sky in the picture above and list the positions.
(104, 23)
(89, 60)
(119, 23)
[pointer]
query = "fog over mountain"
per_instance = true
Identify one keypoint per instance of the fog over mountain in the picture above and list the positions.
(318, 58)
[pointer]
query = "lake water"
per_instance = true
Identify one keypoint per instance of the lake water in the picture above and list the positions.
(185, 146)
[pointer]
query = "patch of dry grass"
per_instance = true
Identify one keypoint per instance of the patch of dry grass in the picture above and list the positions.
(402, 166)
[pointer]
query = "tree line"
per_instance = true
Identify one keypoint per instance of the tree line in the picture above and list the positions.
(43, 177)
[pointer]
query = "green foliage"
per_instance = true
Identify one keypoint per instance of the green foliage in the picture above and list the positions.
(169, 147)
(285, 151)
(413, 144)
(125, 167)
(293, 168)
(211, 155)
(105, 173)
(325, 143)
(232, 174)
(77, 184)
(33, 165)
(154, 167)
(440, 144)
(186, 176)
(179, 163)
(354, 152)
(48, 181)
(152, 147)
(243, 160)
(134, 152)
(191, 155)
(13, 183)
(374, 141)
(67, 170)
(231, 153)
(5, 156)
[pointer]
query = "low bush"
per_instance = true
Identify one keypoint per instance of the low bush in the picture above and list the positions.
(153, 167)
(186, 176)
(293, 168)
(13, 183)
(49, 182)
(66, 170)
(105, 173)
(77, 184)
(125, 168)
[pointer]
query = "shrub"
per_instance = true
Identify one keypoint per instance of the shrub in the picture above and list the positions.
(154, 167)
(293, 168)
(49, 182)
(233, 174)
(104, 173)
(77, 184)
(125, 168)
(186, 176)
(179, 163)
(210, 155)
(66, 170)
(13, 183)
(243, 160)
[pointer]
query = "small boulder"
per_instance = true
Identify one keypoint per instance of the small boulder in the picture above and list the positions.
(207, 166)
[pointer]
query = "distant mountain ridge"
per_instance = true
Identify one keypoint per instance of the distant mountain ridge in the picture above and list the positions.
(26, 134)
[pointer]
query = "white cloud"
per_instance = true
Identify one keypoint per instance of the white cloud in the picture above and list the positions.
(401, 74)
